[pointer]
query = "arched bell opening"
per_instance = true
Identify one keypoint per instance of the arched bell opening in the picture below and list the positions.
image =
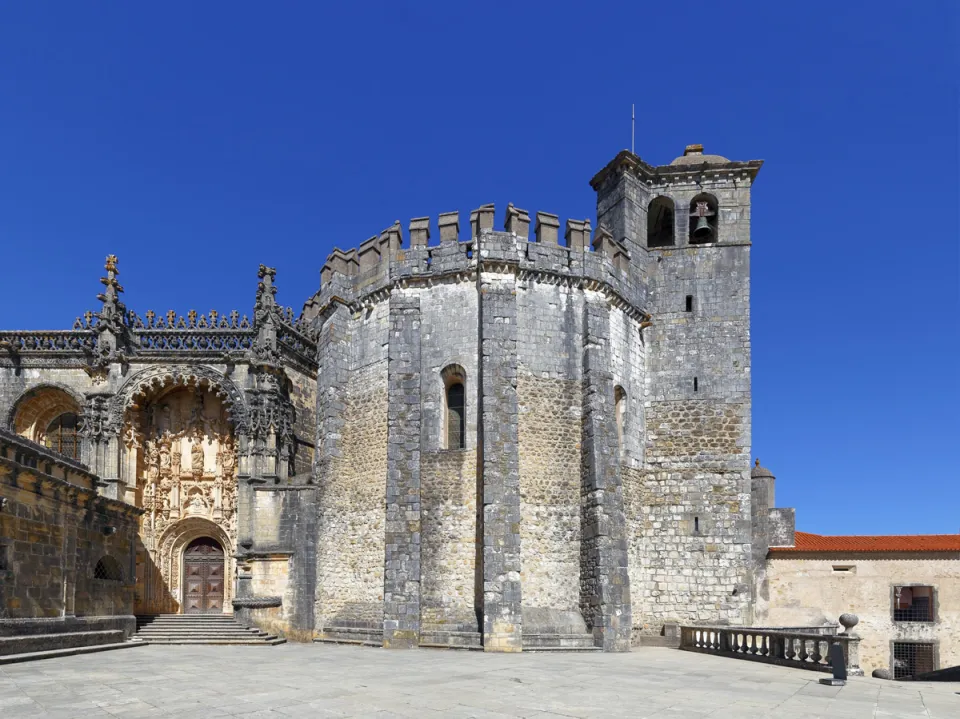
(703, 219)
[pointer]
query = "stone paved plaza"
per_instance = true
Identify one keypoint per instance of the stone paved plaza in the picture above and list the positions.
(333, 681)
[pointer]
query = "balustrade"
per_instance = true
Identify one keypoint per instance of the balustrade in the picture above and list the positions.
(803, 648)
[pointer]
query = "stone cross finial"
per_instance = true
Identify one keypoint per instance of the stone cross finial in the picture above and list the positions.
(234, 316)
(192, 318)
(88, 317)
(213, 318)
(150, 314)
(171, 318)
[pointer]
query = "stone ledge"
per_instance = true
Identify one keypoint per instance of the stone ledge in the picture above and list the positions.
(257, 602)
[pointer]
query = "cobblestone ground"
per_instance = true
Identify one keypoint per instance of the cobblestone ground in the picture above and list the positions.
(332, 681)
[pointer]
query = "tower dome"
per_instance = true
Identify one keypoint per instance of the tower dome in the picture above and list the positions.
(757, 472)
(693, 155)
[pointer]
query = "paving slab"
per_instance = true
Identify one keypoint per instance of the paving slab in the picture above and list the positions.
(330, 680)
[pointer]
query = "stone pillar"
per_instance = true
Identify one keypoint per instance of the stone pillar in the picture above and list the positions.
(604, 583)
(401, 583)
(71, 517)
(499, 462)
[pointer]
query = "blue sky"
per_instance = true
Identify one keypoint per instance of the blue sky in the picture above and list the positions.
(197, 140)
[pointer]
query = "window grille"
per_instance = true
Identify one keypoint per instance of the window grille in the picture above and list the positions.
(109, 569)
(61, 435)
(910, 659)
(913, 604)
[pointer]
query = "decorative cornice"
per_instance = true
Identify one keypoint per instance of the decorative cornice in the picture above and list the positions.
(626, 161)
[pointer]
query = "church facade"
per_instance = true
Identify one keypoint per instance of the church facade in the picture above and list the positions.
(470, 436)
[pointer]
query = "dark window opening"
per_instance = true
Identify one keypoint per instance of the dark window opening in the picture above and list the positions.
(703, 219)
(696, 525)
(620, 405)
(108, 569)
(456, 436)
(696, 385)
(62, 436)
(689, 303)
(910, 659)
(660, 223)
(913, 604)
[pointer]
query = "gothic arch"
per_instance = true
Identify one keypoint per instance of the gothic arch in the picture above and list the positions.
(152, 379)
(173, 542)
(36, 407)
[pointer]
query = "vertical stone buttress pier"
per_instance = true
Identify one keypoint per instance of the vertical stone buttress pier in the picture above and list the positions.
(401, 585)
(604, 582)
(332, 375)
(500, 463)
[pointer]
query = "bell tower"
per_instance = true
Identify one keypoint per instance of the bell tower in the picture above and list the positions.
(688, 226)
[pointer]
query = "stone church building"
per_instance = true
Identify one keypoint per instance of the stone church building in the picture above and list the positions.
(484, 434)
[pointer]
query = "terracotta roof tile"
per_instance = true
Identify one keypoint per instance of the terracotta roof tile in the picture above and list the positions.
(807, 543)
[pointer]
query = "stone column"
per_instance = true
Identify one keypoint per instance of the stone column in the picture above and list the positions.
(401, 583)
(604, 583)
(71, 516)
(499, 462)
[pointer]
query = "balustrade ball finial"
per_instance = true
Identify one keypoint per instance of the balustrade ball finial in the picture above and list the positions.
(849, 621)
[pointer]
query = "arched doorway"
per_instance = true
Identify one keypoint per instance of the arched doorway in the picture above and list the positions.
(203, 572)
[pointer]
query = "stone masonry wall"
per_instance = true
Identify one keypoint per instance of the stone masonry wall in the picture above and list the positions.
(350, 547)
(549, 398)
(450, 586)
(808, 592)
(693, 494)
(303, 395)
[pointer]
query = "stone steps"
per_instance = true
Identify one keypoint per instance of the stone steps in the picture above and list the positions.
(66, 652)
(361, 636)
(34, 643)
(200, 629)
(559, 643)
(442, 639)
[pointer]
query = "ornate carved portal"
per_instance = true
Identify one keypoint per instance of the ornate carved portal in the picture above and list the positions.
(180, 464)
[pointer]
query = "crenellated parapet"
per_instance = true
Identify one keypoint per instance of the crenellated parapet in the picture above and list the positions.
(440, 251)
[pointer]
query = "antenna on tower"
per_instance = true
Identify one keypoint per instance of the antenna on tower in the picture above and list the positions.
(633, 125)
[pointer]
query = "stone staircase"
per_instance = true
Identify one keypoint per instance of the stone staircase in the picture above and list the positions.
(199, 629)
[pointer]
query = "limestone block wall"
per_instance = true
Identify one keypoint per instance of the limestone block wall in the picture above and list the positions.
(351, 513)
(449, 481)
(549, 347)
(54, 529)
(809, 592)
(303, 396)
(693, 493)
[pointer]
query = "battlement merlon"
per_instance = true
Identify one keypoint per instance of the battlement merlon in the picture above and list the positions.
(357, 276)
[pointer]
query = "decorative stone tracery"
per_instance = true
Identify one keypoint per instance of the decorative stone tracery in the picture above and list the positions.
(180, 463)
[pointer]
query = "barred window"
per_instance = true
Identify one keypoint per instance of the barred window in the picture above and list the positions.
(109, 569)
(913, 604)
(912, 658)
(61, 435)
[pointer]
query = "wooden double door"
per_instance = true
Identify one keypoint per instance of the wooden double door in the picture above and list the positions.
(203, 570)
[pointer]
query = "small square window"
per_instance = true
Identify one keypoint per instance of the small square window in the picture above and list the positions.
(689, 304)
(913, 604)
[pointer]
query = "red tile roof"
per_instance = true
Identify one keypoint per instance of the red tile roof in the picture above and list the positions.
(807, 543)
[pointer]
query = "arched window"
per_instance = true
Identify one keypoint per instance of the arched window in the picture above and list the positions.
(620, 408)
(61, 435)
(109, 569)
(660, 222)
(455, 406)
(703, 219)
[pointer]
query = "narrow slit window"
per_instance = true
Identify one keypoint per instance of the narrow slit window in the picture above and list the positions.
(696, 525)
(696, 385)
(689, 305)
